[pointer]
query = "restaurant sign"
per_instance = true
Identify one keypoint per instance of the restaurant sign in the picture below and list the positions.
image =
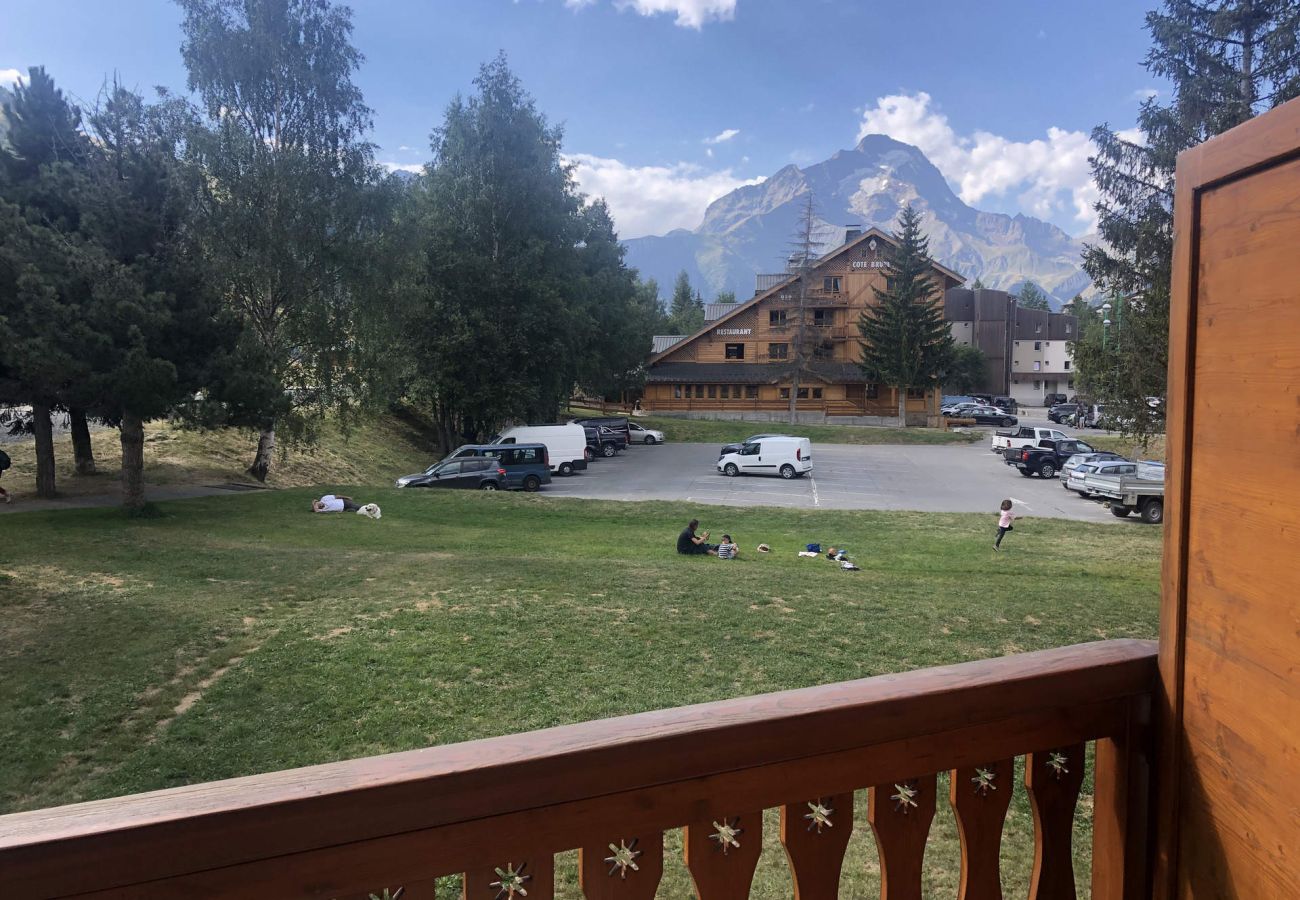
(730, 331)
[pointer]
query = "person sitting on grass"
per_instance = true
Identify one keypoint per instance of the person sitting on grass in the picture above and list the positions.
(691, 544)
(333, 503)
(728, 549)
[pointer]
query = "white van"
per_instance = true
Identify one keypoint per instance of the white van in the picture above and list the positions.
(566, 445)
(782, 455)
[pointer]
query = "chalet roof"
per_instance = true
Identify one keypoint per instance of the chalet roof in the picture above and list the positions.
(736, 308)
(663, 341)
(751, 373)
(717, 310)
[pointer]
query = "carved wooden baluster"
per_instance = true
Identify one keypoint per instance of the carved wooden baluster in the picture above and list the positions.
(815, 835)
(625, 869)
(980, 796)
(531, 876)
(721, 854)
(1053, 778)
(900, 816)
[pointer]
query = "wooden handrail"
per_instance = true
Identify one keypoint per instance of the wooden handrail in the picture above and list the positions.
(316, 831)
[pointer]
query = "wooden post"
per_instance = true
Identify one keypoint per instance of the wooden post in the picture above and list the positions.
(1121, 837)
(1053, 778)
(900, 814)
(980, 796)
(722, 852)
(815, 835)
(622, 869)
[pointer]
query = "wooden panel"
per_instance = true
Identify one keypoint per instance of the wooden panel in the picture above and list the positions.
(980, 796)
(721, 853)
(1240, 833)
(622, 869)
(1121, 821)
(815, 833)
(900, 813)
(1053, 778)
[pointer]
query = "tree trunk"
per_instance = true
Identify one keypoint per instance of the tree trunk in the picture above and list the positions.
(132, 430)
(265, 448)
(902, 406)
(44, 451)
(794, 398)
(83, 453)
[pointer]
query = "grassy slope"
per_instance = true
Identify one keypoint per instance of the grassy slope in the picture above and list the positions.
(371, 452)
(285, 638)
(1130, 447)
(712, 431)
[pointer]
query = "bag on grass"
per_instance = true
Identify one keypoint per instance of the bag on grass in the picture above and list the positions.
(814, 548)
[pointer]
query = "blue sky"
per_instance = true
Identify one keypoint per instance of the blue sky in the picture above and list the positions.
(667, 104)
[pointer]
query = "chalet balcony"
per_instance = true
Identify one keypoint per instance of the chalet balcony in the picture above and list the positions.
(498, 810)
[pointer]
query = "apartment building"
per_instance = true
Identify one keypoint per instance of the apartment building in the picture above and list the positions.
(743, 361)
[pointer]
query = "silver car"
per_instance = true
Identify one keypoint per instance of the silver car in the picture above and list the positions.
(644, 435)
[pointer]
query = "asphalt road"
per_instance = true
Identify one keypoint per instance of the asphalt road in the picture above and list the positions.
(952, 478)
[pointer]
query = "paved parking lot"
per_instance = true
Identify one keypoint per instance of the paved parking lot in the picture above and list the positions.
(963, 478)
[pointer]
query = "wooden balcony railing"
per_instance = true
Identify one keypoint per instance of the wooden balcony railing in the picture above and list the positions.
(498, 810)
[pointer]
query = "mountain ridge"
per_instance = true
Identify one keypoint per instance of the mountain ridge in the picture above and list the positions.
(749, 230)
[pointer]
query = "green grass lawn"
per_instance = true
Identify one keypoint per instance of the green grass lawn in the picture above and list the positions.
(244, 634)
(715, 431)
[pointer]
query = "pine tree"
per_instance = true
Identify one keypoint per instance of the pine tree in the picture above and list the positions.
(803, 256)
(978, 285)
(686, 309)
(1227, 60)
(905, 340)
(1032, 297)
(726, 297)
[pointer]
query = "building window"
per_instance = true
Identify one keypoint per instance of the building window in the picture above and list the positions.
(916, 393)
(824, 317)
(677, 392)
(735, 391)
(776, 317)
(1067, 365)
(1047, 344)
(1038, 345)
(831, 284)
(699, 392)
(751, 392)
(1038, 367)
(1038, 385)
(873, 392)
(778, 351)
(713, 392)
(726, 392)
(890, 285)
(1038, 329)
(803, 393)
(1070, 384)
(1015, 362)
(1017, 343)
(735, 351)
(824, 350)
(785, 393)
(1067, 328)
(817, 393)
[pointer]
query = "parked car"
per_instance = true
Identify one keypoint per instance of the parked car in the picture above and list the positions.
(612, 440)
(1062, 411)
(1051, 400)
(1077, 480)
(954, 400)
(479, 473)
(733, 448)
(986, 399)
(645, 435)
(1046, 459)
(1006, 403)
(527, 466)
(620, 424)
(1141, 491)
(773, 455)
(1080, 459)
(987, 415)
(566, 445)
(1025, 436)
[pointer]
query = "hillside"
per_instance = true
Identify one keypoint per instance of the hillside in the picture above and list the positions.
(748, 231)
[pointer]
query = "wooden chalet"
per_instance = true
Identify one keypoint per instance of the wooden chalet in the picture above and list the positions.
(1192, 744)
(744, 360)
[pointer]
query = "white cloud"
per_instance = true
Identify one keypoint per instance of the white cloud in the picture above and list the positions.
(689, 13)
(1048, 175)
(708, 151)
(652, 199)
(9, 76)
(414, 168)
(723, 136)
(403, 147)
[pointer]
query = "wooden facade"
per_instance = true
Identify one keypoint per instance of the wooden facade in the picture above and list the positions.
(1230, 623)
(743, 360)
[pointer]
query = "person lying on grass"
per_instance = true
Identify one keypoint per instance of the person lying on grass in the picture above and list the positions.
(334, 503)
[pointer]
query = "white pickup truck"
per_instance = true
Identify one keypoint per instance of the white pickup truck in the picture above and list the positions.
(1025, 436)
